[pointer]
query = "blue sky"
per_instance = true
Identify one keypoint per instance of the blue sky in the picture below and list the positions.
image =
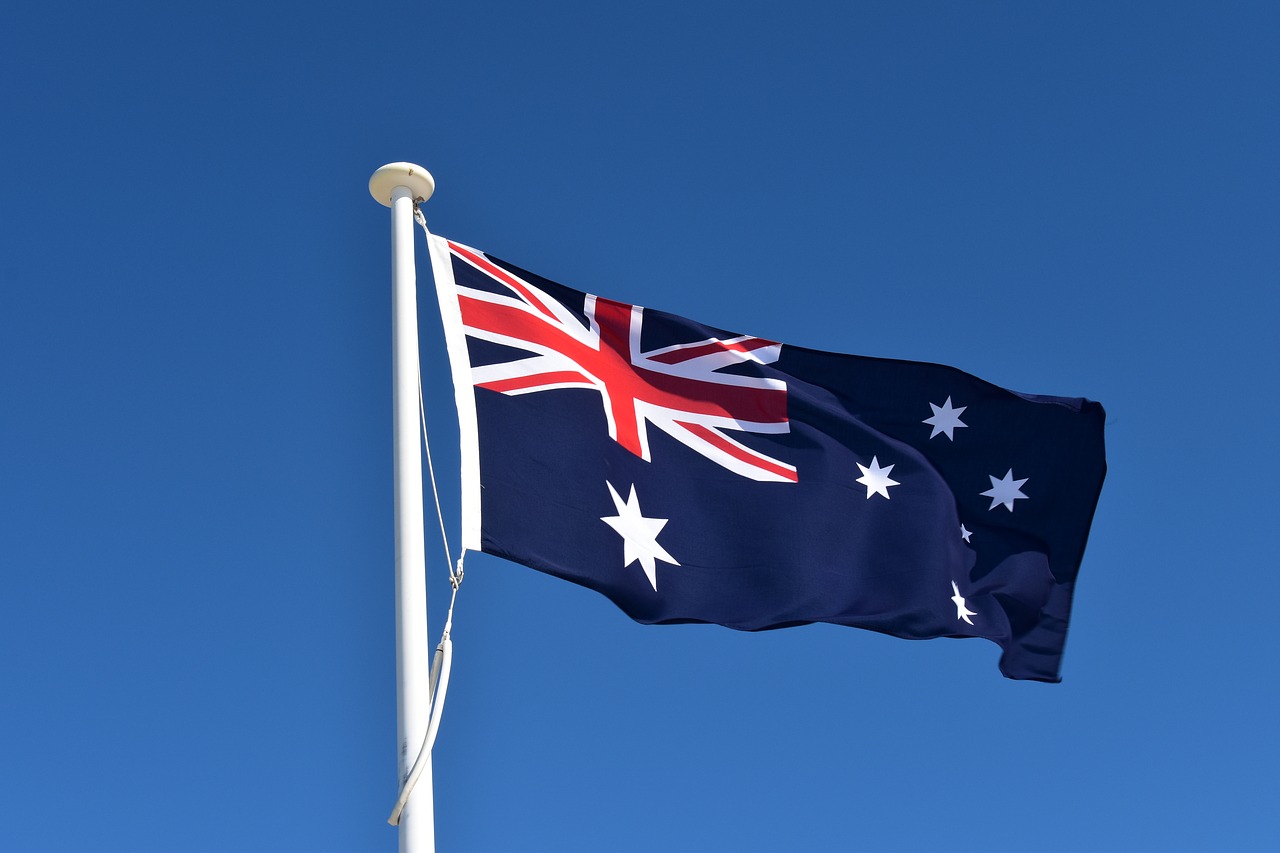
(196, 624)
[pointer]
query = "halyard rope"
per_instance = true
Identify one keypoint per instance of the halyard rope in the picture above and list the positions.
(442, 663)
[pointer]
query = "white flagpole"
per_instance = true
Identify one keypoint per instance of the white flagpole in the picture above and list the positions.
(399, 186)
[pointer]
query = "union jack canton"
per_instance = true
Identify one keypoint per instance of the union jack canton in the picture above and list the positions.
(695, 475)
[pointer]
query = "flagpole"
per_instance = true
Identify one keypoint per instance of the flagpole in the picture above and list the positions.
(399, 186)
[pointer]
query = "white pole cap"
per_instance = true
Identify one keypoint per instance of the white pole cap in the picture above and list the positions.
(413, 177)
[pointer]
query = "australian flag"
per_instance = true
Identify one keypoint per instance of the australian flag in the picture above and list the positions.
(695, 475)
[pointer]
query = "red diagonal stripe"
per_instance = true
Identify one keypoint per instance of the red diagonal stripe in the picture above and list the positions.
(533, 380)
(709, 348)
(715, 439)
(505, 277)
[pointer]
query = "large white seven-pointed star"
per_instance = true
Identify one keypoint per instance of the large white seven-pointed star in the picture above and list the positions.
(1005, 491)
(876, 479)
(639, 535)
(945, 419)
(962, 612)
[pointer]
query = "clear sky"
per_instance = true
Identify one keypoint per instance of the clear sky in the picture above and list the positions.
(196, 624)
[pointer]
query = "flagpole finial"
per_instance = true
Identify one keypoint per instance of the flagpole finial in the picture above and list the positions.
(417, 179)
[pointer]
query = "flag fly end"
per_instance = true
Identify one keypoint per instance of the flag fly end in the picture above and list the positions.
(416, 179)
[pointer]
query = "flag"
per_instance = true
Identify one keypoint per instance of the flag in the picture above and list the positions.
(695, 475)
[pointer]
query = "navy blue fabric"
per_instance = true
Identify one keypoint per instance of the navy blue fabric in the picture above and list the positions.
(762, 555)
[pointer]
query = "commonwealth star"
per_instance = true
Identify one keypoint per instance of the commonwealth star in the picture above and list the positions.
(639, 535)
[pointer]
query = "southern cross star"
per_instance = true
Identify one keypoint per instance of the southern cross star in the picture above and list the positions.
(945, 419)
(965, 533)
(876, 479)
(962, 612)
(1005, 491)
(639, 535)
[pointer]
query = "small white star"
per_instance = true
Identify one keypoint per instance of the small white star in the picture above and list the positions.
(962, 612)
(965, 533)
(876, 479)
(1005, 491)
(945, 419)
(639, 535)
